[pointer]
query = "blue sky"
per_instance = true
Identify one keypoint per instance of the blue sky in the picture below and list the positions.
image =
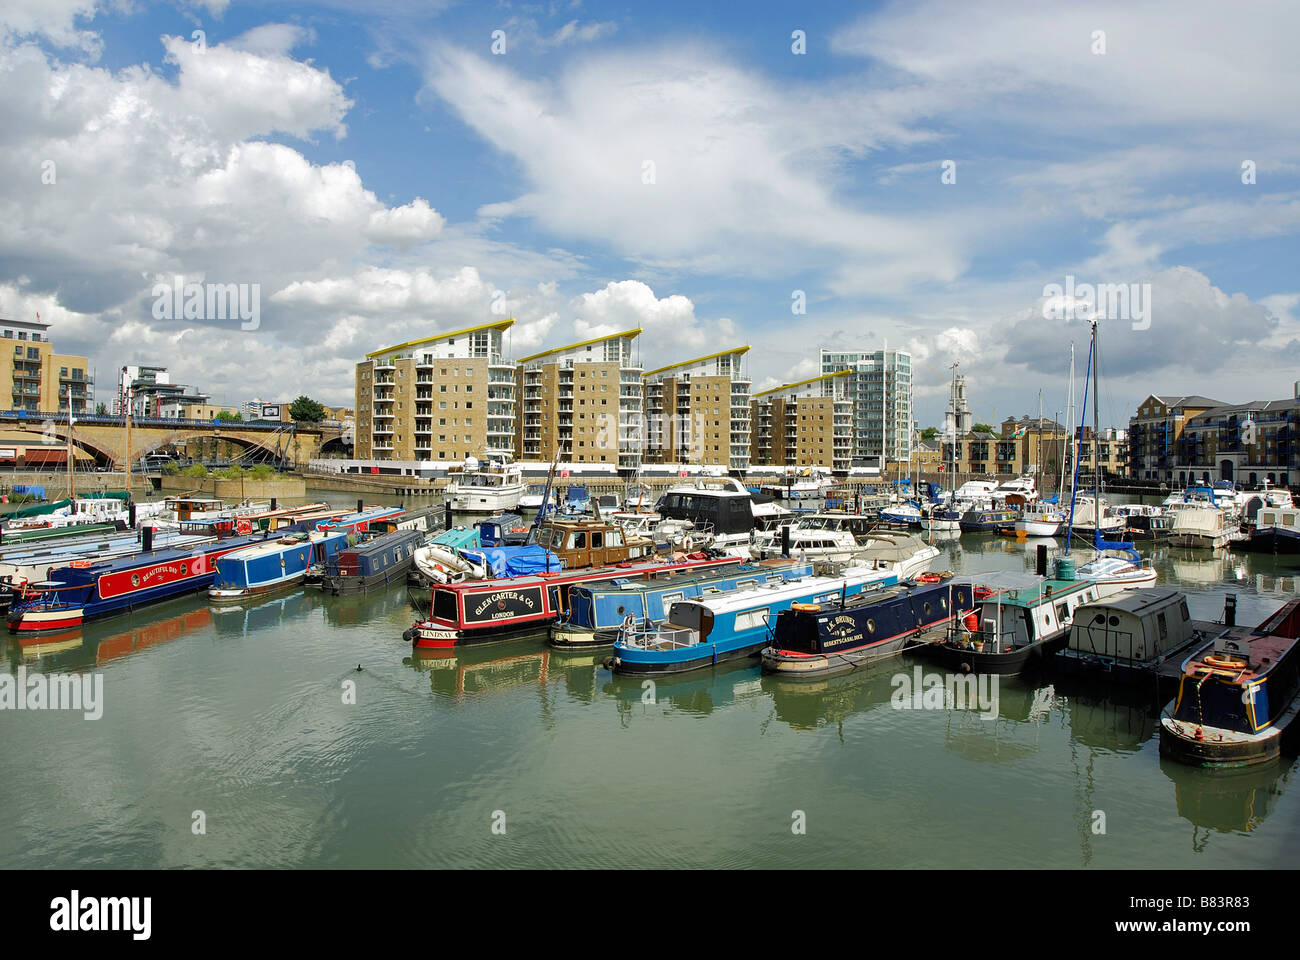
(381, 173)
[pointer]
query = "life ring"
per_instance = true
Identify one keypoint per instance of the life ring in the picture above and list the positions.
(243, 528)
(79, 564)
(982, 593)
(518, 529)
(805, 606)
(928, 578)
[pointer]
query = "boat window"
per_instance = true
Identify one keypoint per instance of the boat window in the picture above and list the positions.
(1063, 612)
(578, 541)
(1113, 621)
(750, 619)
(871, 625)
(444, 605)
(1183, 610)
(1164, 626)
(614, 538)
(597, 539)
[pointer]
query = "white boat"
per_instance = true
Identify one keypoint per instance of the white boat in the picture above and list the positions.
(639, 498)
(720, 512)
(1085, 513)
(1040, 520)
(1201, 527)
(1025, 488)
(533, 497)
(805, 544)
(492, 489)
(975, 490)
(1114, 574)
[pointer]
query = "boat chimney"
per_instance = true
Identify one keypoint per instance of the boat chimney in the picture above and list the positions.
(785, 542)
(130, 516)
(146, 542)
(360, 506)
(1041, 565)
(274, 503)
(1230, 610)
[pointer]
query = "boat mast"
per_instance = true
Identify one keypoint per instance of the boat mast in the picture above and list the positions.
(72, 484)
(128, 442)
(1096, 436)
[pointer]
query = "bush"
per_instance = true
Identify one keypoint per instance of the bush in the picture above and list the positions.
(232, 473)
(198, 471)
(263, 472)
(172, 469)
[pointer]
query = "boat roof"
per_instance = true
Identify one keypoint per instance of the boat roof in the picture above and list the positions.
(572, 576)
(385, 540)
(759, 569)
(1138, 602)
(1019, 587)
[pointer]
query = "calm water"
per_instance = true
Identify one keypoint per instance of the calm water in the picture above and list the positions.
(239, 713)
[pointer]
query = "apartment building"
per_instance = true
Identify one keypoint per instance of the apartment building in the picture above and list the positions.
(1155, 434)
(880, 390)
(582, 402)
(804, 424)
(697, 411)
(43, 381)
(1247, 443)
(444, 397)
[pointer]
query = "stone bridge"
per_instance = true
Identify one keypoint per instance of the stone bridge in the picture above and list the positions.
(104, 437)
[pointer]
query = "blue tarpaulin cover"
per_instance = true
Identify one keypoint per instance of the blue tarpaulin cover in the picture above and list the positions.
(516, 561)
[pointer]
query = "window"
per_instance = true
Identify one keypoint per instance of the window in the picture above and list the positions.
(751, 619)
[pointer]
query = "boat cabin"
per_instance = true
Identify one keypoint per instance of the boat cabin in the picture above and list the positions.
(1138, 625)
(592, 543)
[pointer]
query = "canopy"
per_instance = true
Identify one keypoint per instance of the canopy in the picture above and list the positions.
(516, 561)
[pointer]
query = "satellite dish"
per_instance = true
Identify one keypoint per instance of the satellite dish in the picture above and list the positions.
(471, 463)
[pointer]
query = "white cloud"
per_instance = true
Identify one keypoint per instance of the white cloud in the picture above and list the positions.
(415, 222)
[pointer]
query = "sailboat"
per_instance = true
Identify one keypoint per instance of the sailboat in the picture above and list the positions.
(1116, 565)
(945, 516)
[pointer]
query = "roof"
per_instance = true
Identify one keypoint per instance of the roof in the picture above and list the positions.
(1191, 400)
(687, 363)
(1253, 406)
(497, 325)
(582, 343)
(1138, 601)
(791, 386)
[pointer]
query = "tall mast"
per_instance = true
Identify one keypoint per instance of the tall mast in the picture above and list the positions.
(1096, 436)
(128, 440)
(72, 484)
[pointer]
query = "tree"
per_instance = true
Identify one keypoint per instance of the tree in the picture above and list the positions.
(227, 417)
(101, 409)
(984, 428)
(929, 433)
(306, 409)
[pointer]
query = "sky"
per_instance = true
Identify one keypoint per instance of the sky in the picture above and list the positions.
(936, 177)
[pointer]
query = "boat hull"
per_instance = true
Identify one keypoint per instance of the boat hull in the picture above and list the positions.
(694, 661)
(969, 660)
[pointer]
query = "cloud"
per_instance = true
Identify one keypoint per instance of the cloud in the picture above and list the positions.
(415, 222)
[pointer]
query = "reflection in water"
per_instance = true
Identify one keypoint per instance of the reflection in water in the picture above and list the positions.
(1111, 723)
(1225, 801)
(810, 704)
(698, 692)
(487, 668)
(249, 617)
(100, 643)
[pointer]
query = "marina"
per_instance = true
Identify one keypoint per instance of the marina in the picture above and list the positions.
(849, 720)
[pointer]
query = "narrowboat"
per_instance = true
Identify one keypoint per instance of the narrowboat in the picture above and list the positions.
(1202, 528)
(819, 640)
(597, 611)
(491, 489)
(503, 529)
(699, 633)
(987, 519)
(273, 564)
(1238, 697)
(361, 520)
(1276, 531)
(1017, 624)
(380, 560)
(1125, 639)
(485, 611)
(88, 590)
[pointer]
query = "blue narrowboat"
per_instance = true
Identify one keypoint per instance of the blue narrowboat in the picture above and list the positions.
(598, 611)
(273, 564)
(360, 521)
(503, 530)
(1238, 697)
(381, 560)
(987, 520)
(699, 633)
(818, 640)
(87, 590)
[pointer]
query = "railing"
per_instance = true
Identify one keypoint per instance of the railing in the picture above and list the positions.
(667, 638)
(117, 421)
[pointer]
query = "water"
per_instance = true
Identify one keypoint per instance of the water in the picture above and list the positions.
(240, 713)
